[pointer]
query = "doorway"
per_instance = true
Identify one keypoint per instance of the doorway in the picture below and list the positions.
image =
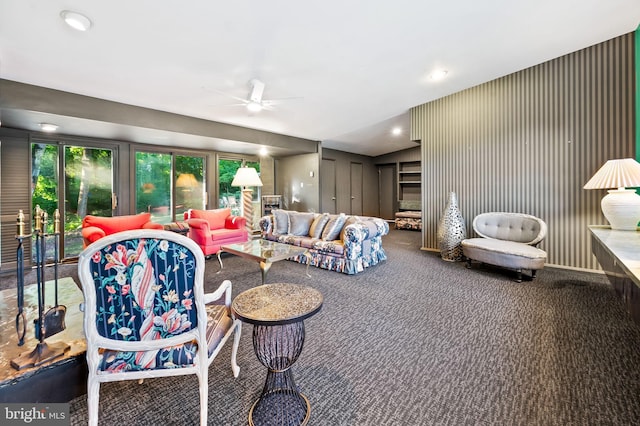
(387, 195)
(328, 186)
(356, 189)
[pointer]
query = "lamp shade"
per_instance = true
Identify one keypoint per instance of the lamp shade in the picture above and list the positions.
(616, 174)
(246, 176)
(186, 181)
(620, 206)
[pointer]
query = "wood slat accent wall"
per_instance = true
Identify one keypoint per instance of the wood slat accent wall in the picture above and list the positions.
(528, 142)
(16, 184)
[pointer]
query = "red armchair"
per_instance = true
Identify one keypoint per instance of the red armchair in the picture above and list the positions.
(211, 229)
(96, 227)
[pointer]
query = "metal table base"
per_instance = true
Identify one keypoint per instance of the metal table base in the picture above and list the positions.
(281, 403)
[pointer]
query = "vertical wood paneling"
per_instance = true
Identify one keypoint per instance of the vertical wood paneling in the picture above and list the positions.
(16, 183)
(529, 141)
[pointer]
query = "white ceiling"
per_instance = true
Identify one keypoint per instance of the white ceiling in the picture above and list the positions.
(354, 68)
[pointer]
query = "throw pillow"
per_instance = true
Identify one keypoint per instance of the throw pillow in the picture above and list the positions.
(280, 222)
(299, 223)
(315, 231)
(333, 227)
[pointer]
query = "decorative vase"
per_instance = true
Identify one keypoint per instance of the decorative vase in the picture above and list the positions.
(451, 231)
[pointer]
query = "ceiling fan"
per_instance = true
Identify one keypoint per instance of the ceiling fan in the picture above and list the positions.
(255, 103)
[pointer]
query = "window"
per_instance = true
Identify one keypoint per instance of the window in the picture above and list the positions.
(231, 196)
(87, 188)
(153, 185)
(166, 193)
(190, 193)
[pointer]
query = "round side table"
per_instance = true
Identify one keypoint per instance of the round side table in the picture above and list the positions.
(277, 312)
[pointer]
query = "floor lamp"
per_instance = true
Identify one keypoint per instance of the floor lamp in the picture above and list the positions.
(247, 177)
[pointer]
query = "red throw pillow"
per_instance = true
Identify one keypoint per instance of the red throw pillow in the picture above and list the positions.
(215, 218)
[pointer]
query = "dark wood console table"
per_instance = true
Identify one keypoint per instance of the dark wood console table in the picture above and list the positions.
(618, 252)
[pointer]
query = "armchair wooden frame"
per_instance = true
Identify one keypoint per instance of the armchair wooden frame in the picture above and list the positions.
(198, 337)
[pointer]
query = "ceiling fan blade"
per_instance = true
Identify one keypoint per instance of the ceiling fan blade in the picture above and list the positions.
(228, 105)
(220, 92)
(279, 101)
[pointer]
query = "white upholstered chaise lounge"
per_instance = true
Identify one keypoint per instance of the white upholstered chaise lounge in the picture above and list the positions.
(507, 240)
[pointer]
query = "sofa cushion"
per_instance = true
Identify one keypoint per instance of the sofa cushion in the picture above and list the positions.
(329, 247)
(508, 254)
(307, 242)
(299, 223)
(280, 221)
(216, 218)
(409, 214)
(292, 240)
(334, 226)
(315, 231)
(225, 234)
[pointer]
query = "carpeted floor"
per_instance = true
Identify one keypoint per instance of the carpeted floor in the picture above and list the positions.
(419, 341)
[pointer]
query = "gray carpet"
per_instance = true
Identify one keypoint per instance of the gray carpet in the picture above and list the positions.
(419, 341)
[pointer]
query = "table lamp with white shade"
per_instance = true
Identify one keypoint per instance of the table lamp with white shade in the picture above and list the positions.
(247, 177)
(620, 206)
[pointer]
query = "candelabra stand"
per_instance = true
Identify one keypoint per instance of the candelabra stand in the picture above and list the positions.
(46, 325)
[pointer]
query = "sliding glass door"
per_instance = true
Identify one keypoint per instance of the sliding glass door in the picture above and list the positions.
(85, 187)
(190, 193)
(88, 186)
(153, 185)
(169, 184)
(80, 180)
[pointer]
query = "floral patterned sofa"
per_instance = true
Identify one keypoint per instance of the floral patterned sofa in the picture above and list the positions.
(340, 242)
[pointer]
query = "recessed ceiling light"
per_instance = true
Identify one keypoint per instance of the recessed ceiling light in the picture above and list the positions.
(48, 127)
(76, 20)
(396, 131)
(263, 151)
(438, 75)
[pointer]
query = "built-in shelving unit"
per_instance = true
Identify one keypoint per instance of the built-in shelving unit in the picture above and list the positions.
(409, 181)
(270, 202)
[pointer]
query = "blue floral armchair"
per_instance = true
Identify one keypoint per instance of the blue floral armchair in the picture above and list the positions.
(146, 313)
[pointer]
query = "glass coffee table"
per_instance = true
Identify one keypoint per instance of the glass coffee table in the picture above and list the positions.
(264, 252)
